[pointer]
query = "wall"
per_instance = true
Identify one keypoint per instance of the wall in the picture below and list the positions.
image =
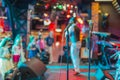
(113, 19)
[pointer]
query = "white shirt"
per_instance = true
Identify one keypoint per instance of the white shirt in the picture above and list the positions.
(16, 50)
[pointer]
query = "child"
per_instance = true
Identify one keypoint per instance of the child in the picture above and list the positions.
(5, 57)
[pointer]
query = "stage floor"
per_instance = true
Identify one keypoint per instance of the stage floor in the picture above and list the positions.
(57, 71)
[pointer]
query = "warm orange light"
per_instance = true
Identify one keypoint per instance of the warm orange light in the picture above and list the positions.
(58, 30)
(80, 20)
(68, 16)
(45, 14)
(99, 11)
(106, 14)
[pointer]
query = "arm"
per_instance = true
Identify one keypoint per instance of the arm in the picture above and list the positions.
(38, 46)
(4, 52)
(28, 47)
(22, 54)
(71, 29)
(1, 52)
(13, 50)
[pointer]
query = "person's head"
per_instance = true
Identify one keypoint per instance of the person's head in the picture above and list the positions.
(18, 40)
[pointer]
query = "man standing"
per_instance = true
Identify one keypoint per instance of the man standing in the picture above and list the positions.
(49, 42)
(74, 34)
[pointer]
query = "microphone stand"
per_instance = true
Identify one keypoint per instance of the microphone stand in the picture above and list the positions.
(89, 37)
(67, 51)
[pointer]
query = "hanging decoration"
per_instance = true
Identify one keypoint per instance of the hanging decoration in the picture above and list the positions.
(69, 9)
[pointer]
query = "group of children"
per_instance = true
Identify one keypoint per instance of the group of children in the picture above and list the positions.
(40, 46)
(12, 53)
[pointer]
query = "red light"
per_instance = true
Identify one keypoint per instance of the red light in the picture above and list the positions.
(1, 24)
(47, 6)
(52, 26)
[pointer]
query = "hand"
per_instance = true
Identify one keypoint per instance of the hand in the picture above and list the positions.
(8, 56)
(33, 48)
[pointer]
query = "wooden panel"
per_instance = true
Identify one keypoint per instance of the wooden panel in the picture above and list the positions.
(95, 15)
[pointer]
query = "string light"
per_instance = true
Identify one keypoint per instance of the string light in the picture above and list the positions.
(71, 11)
(54, 7)
(76, 7)
(68, 5)
(45, 14)
(71, 6)
(74, 14)
(68, 9)
(64, 7)
(60, 6)
(68, 16)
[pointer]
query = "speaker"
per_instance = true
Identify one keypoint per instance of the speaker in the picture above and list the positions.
(12, 74)
(103, 75)
(34, 68)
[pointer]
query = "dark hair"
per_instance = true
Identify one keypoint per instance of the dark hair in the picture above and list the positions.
(86, 23)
